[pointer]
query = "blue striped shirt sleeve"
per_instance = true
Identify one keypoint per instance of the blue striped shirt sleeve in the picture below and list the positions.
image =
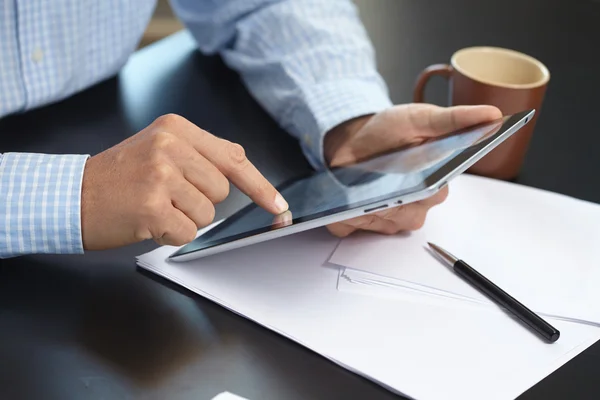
(40, 207)
(309, 63)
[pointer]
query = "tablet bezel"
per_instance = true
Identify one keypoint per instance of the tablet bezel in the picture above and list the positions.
(433, 183)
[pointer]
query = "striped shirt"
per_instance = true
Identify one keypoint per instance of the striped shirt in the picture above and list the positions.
(309, 63)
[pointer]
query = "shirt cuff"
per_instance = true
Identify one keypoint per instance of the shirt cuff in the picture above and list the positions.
(327, 105)
(40, 204)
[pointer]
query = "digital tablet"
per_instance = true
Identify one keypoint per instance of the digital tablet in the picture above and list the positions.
(382, 182)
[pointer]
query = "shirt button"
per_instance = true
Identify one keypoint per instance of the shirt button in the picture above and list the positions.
(37, 55)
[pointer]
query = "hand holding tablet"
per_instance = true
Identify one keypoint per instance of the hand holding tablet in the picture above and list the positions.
(400, 127)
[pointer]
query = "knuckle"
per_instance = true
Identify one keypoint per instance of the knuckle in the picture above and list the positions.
(167, 120)
(237, 155)
(362, 222)
(370, 219)
(162, 140)
(160, 172)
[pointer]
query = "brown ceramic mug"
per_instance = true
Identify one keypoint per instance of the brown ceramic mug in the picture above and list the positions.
(507, 79)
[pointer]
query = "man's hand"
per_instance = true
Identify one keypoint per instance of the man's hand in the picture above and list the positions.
(162, 184)
(394, 128)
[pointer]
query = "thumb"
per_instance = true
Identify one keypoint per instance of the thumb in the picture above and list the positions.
(444, 120)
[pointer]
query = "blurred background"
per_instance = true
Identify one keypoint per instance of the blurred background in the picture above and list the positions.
(163, 23)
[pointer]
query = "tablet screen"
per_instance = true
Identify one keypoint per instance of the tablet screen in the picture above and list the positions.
(340, 189)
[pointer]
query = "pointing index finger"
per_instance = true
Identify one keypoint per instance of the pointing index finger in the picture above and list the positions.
(232, 162)
(230, 158)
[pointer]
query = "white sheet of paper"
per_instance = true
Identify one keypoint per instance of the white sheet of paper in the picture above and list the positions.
(405, 346)
(540, 247)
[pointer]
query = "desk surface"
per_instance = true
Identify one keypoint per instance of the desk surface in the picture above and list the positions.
(94, 327)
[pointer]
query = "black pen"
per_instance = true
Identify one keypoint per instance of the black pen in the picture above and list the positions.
(502, 298)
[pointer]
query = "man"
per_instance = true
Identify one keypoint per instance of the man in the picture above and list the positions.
(308, 62)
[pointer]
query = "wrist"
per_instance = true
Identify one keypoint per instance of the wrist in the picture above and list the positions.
(337, 149)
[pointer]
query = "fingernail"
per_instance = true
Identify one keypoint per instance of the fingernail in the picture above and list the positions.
(286, 217)
(280, 203)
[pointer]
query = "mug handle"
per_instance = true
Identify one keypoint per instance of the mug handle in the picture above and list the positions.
(444, 70)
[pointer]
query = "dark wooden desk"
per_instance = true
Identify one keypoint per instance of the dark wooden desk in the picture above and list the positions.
(93, 326)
